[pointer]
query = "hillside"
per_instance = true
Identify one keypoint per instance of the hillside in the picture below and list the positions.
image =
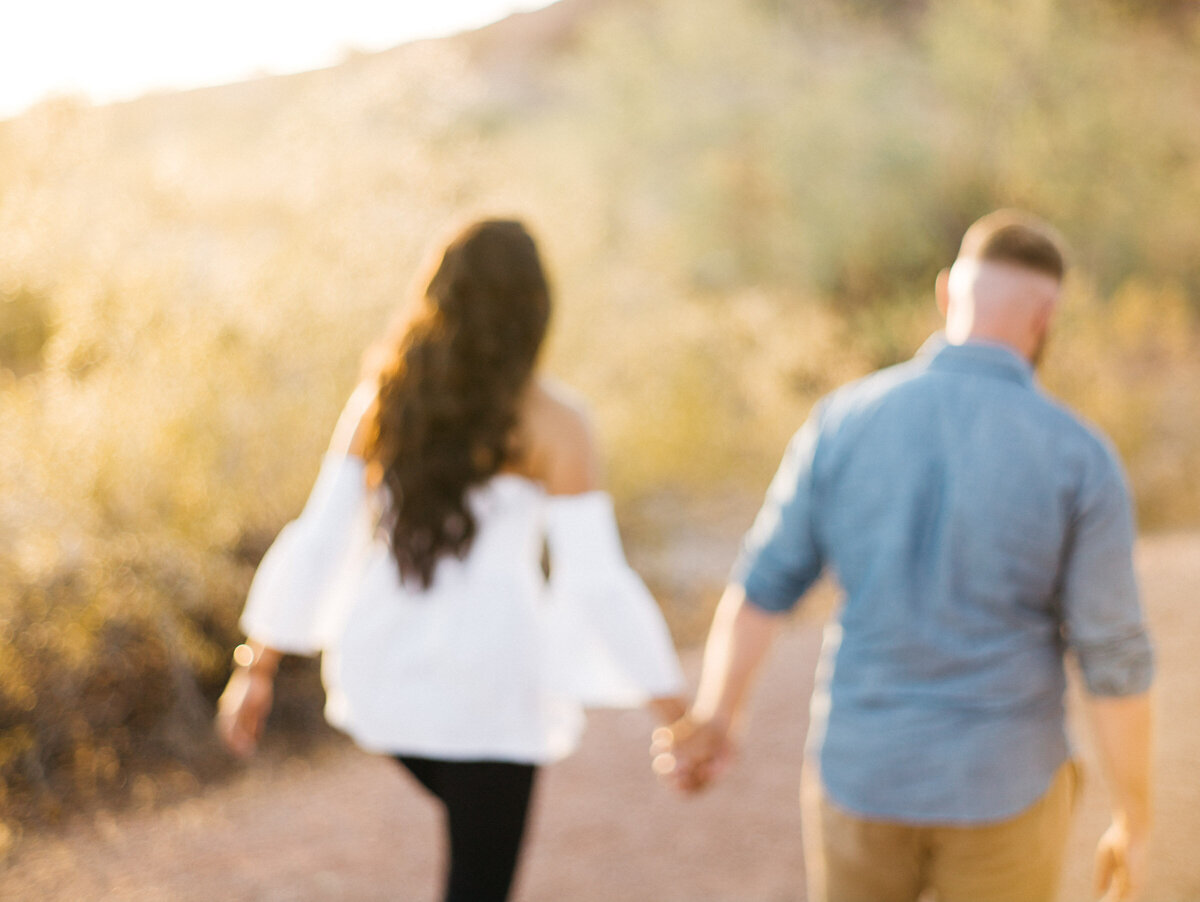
(743, 204)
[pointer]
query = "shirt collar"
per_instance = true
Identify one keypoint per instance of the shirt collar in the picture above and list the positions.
(980, 358)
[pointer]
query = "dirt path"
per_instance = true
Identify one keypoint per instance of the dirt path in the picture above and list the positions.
(346, 826)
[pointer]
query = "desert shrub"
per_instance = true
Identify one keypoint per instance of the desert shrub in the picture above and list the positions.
(1129, 363)
(25, 329)
(743, 204)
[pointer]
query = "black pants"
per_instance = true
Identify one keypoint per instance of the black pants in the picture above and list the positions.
(486, 804)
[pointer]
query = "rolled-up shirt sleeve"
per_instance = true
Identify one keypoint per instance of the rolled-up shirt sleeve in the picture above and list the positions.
(780, 558)
(1102, 614)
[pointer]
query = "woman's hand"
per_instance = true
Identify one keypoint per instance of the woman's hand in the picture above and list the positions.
(691, 753)
(243, 708)
(668, 708)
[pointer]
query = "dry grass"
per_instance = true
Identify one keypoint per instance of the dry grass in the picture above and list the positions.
(743, 205)
(342, 825)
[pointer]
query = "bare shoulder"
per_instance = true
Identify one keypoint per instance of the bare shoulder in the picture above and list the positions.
(562, 447)
(557, 406)
(353, 426)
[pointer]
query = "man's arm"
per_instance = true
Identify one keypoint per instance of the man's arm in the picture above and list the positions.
(738, 642)
(1122, 727)
(1105, 627)
(780, 560)
(697, 747)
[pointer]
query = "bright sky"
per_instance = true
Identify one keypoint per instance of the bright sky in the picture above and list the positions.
(111, 50)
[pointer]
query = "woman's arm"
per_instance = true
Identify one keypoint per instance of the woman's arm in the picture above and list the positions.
(246, 702)
(562, 455)
(558, 444)
(354, 426)
(244, 705)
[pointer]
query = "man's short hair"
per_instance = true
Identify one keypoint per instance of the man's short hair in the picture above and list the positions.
(1012, 236)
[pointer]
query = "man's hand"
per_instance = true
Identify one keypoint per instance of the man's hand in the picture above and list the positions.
(689, 754)
(243, 708)
(698, 747)
(1120, 864)
(1123, 726)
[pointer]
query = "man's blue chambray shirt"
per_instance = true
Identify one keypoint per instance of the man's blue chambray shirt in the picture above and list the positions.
(978, 530)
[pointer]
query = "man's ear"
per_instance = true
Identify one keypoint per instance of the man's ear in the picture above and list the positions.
(1044, 313)
(941, 291)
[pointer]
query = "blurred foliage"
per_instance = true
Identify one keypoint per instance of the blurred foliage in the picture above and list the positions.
(744, 203)
(25, 328)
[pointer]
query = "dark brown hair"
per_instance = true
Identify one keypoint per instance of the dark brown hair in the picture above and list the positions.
(449, 389)
(1012, 236)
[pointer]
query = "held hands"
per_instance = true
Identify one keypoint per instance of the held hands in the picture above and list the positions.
(692, 752)
(1120, 864)
(243, 708)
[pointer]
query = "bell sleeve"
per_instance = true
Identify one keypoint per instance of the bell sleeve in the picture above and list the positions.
(608, 643)
(301, 584)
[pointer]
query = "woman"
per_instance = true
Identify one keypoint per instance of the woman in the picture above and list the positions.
(416, 566)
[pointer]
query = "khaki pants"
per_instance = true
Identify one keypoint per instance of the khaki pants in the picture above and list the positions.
(852, 859)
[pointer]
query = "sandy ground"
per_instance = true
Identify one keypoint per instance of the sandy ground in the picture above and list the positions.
(342, 825)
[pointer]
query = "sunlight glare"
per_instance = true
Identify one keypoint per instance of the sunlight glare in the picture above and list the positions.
(118, 50)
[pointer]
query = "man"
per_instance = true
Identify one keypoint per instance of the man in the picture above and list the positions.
(979, 531)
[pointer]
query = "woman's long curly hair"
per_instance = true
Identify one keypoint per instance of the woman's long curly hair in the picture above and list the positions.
(450, 385)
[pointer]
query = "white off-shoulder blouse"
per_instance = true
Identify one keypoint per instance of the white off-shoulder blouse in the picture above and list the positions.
(492, 661)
